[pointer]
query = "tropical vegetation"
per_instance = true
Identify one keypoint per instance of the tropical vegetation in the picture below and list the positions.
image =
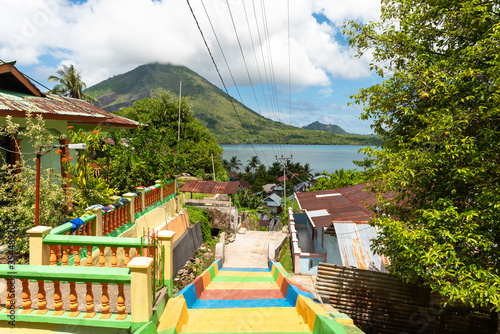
(154, 152)
(69, 83)
(340, 178)
(438, 115)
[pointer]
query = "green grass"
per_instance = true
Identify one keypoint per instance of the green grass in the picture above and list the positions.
(286, 258)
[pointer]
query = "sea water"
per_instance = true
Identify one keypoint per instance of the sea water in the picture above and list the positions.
(321, 158)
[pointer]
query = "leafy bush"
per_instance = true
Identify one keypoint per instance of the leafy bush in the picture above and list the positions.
(338, 179)
(204, 217)
(18, 190)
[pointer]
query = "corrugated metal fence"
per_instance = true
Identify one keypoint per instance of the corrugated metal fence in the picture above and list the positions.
(379, 303)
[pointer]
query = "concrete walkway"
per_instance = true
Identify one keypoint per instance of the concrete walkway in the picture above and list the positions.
(250, 250)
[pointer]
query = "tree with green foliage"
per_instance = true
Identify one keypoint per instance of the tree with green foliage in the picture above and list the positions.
(253, 162)
(153, 152)
(234, 164)
(69, 83)
(438, 115)
(92, 188)
(340, 178)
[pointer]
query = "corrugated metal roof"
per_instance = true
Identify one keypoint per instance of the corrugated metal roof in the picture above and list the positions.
(209, 187)
(337, 203)
(18, 95)
(55, 107)
(354, 244)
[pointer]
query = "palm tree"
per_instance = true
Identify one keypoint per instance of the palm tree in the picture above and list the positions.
(253, 162)
(69, 83)
(307, 170)
(234, 163)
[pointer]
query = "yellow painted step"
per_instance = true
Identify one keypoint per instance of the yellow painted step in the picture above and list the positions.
(243, 274)
(261, 315)
(245, 328)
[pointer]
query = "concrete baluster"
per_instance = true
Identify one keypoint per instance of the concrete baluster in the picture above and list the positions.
(53, 257)
(58, 253)
(120, 308)
(76, 251)
(73, 300)
(42, 300)
(26, 295)
(10, 295)
(89, 302)
(114, 259)
(102, 260)
(64, 255)
(105, 302)
(127, 256)
(89, 256)
(58, 303)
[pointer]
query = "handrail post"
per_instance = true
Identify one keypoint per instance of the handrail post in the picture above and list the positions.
(96, 224)
(131, 207)
(141, 301)
(167, 240)
(161, 188)
(39, 253)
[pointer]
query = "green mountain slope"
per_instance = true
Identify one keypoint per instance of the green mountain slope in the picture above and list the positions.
(211, 106)
(326, 127)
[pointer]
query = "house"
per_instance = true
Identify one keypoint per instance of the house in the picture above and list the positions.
(273, 201)
(336, 223)
(19, 96)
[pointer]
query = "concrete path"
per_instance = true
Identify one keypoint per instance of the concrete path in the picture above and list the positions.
(250, 250)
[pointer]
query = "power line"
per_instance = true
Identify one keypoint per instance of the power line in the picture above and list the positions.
(220, 76)
(228, 68)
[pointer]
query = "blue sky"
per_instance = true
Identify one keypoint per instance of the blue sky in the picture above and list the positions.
(104, 38)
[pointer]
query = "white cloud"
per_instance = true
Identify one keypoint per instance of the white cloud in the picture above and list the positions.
(108, 37)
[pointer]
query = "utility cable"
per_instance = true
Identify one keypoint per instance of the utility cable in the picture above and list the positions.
(220, 76)
(228, 68)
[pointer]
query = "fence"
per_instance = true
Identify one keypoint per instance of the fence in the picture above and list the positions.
(379, 303)
(50, 306)
(109, 220)
(302, 262)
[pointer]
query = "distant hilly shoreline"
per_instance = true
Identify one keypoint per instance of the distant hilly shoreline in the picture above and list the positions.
(213, 108)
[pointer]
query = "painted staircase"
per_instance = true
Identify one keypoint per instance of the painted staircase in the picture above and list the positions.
(247, 300)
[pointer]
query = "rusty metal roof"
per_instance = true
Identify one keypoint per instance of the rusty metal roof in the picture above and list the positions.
(55, 107)
(344, 204)
(210, 187)
(18, 95)
(354, 241)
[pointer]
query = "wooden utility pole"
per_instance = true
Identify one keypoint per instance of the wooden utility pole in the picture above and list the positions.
(284, 160)
(179, 124)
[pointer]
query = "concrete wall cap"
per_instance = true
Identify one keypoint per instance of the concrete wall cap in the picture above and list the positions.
(165, 234)
(140, 262)
(39, 230)
(129, 195)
